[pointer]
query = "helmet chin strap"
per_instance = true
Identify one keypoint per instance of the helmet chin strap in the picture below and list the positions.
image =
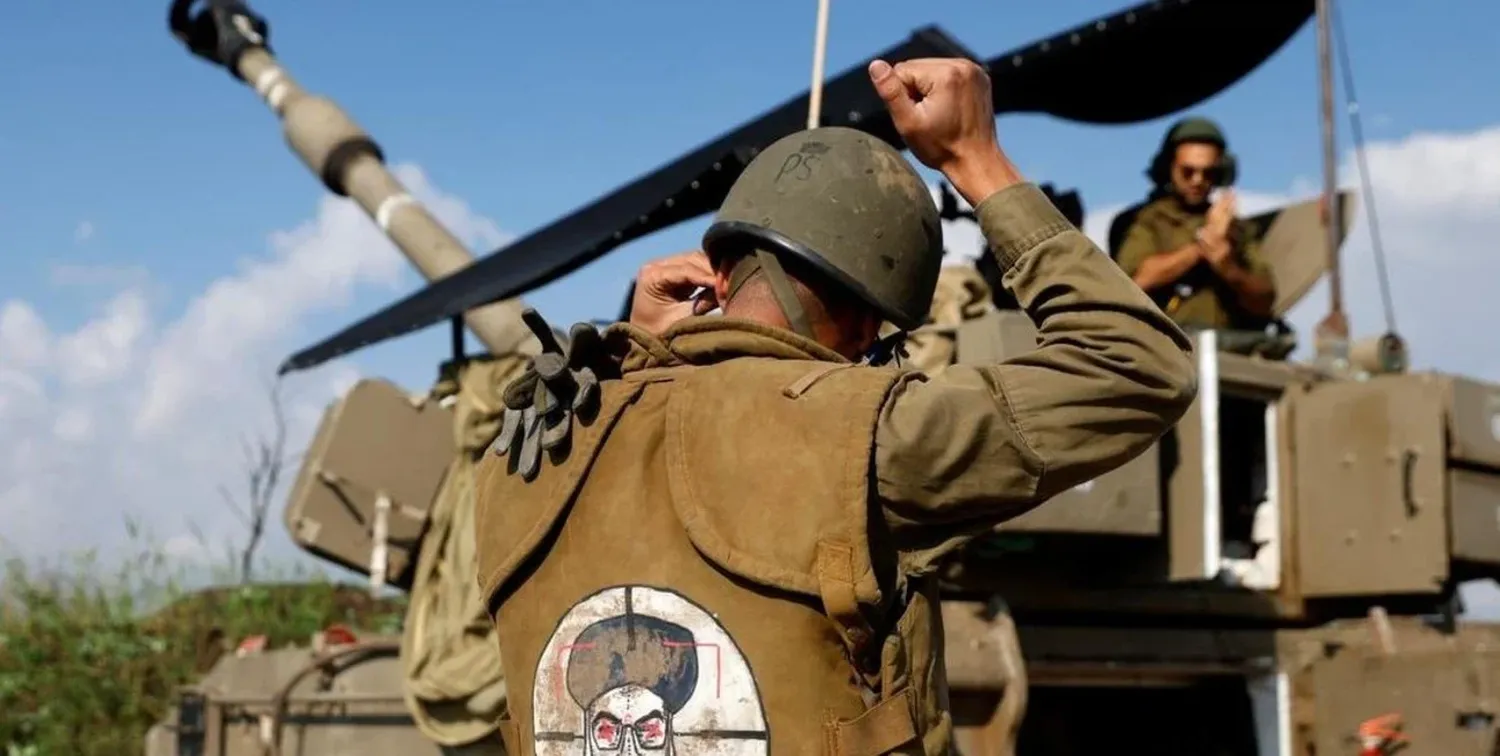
(766, 264)
(883, 351)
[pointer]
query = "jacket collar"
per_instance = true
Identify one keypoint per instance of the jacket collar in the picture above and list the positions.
(708, 340)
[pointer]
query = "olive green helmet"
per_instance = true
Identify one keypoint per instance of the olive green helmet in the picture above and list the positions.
(847, 204)
(1195, 129)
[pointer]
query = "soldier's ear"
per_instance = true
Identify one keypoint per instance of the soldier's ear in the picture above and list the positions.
(721, 285)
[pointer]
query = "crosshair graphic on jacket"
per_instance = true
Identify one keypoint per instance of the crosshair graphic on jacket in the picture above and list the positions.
(637, 670)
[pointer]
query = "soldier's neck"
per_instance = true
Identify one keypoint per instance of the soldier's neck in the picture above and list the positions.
(769, 314)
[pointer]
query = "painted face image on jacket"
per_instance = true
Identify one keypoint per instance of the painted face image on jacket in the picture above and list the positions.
(630, 674)
(636, 671)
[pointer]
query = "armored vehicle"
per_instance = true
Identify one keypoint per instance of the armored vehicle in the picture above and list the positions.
(1277, 576)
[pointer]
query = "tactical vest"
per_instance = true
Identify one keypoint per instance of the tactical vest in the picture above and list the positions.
(697, 576)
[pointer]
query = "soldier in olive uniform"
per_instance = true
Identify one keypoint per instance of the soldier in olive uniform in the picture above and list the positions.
(1192, 255)
(1204, 268)
(726, 543)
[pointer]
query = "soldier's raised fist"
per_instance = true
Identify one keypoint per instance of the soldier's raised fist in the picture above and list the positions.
(941, 106)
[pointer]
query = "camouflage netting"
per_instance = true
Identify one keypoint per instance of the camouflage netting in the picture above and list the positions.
(961, 295)
(455, 686)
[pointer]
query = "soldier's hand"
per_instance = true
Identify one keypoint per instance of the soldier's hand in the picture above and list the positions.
(942, 107)
(1217, 250)
(1220, 215)
(664, 291)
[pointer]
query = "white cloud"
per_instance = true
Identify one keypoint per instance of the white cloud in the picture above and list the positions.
(73, 424)
(1452, 175)
(138, 413)
(17, 390)
(104, 348)
(23, 336)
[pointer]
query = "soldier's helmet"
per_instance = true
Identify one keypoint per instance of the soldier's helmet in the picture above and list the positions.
(1195, 129)
(849, 206)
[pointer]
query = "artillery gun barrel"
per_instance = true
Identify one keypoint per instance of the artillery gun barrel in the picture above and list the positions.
(342, 155)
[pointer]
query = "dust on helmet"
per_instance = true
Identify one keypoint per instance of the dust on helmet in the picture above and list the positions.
(849, 206)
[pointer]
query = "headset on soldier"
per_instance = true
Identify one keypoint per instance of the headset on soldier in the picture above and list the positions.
(1192, 130)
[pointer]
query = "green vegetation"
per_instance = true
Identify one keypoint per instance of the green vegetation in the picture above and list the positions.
(91, 657)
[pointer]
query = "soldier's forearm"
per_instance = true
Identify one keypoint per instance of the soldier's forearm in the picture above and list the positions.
(1165, 269)
(978, 177)
(1255, 292)
(1110, 375)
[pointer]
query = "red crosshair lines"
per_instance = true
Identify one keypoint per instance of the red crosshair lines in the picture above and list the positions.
(718, 661)
(557, 666)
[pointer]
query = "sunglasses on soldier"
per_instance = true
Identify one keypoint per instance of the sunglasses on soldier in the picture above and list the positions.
(1212, 174)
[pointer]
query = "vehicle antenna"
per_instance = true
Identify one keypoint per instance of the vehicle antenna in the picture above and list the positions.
(1332, 335)
(820, 47)
(1356, 134)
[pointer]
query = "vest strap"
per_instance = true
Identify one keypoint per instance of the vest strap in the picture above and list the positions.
(887, 726)
(835, 572)
(656, 374)
(800, 386)
(510, 735)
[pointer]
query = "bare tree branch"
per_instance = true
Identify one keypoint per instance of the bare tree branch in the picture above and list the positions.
(234, 506)
(265, 459)
(248, 452)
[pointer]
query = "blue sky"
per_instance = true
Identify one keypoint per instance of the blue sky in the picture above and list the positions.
(161, 249)
(526, 112)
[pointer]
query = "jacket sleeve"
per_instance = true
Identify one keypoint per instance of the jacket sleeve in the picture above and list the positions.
(962, 451)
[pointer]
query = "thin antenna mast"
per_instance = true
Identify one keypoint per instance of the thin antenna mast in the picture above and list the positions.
(1332, 335)
(820, 47)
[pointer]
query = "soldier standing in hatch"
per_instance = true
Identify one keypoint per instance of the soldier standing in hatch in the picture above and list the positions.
(731, 540)
(1194, 258)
